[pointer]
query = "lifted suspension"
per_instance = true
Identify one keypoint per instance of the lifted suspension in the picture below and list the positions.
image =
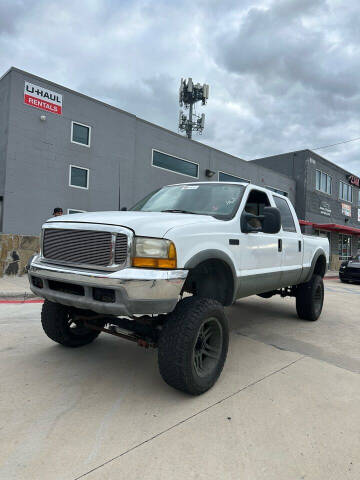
(144, 330)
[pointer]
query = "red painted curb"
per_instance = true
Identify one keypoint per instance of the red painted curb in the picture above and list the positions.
(21, 301)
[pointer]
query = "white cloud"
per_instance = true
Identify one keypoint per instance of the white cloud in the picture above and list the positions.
(283, 75)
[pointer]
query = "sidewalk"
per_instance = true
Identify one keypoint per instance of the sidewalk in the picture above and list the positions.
(15, 287)
(332, 274)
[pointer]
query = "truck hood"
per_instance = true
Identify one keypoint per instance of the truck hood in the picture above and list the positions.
(149, 224)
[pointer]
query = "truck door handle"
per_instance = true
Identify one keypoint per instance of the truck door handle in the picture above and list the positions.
(279, 245)
(299, 245)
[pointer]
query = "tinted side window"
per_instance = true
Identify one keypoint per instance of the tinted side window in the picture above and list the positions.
(287, 220)
(255, 204)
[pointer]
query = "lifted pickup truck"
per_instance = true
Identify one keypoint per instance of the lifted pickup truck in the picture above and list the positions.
(161, 273)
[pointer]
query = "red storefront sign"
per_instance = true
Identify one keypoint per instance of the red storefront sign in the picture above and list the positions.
(354, 180)
(42, 98)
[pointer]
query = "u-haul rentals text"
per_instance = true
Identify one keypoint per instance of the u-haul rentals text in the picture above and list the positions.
(42, 98)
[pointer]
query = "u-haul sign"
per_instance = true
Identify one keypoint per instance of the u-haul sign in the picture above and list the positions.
(42, 98)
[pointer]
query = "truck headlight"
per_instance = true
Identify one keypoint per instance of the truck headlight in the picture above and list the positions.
(154, 253)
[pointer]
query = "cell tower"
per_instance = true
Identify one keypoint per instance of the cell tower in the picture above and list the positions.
(189, 94)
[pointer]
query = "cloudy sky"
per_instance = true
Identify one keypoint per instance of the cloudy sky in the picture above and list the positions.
(284, 74)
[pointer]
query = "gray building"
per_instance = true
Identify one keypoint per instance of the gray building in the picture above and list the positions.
(61, 148)
(327, 199)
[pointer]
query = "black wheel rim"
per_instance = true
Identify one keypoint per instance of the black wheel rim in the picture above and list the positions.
(318, 299)
(208, 347)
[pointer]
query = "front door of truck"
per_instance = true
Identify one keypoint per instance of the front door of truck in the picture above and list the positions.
(260, 258)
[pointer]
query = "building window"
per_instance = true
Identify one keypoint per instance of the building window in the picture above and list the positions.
(226, 177)
(79, 177)
(344, 246)
(280, 192)
(72, 210)
(359, 198)
(323, 182)
(174, 164)
(345, 192)
(80, 134)
(287, 219)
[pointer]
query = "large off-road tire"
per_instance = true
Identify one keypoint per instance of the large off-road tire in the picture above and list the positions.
(310, 298)
(59, 325)
(193, 345)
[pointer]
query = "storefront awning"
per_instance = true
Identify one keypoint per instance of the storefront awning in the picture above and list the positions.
(332, 227)
(305, 222)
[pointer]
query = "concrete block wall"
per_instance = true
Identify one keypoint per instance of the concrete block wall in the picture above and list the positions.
(15, 252)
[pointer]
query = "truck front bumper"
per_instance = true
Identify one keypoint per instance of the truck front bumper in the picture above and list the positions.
(125, 292)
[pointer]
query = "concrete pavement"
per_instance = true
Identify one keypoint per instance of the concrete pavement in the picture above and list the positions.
(286, 406)
(334, 338)
(289, 425)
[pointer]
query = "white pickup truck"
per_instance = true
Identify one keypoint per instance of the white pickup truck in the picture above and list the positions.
(161, 273)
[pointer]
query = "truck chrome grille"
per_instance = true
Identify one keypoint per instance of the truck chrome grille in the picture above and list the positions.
(84, 247)
(121, 248)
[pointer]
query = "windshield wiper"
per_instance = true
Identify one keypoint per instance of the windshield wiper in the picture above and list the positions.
(180, 211)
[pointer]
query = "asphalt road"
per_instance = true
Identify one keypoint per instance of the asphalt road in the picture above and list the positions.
(286, 406)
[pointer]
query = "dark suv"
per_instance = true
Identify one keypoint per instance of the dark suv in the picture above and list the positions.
(350, 270)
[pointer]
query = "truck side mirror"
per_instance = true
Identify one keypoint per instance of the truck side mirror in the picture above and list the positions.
(123, 209)
(270, 222)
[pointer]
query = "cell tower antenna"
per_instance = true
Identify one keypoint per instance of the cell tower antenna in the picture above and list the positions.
(189, 94)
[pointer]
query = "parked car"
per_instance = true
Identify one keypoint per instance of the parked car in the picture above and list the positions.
(161, 273)
(350, 270)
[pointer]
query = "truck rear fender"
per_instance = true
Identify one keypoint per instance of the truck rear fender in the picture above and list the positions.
(318, 266)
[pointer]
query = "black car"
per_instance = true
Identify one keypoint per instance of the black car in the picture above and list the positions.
(350, 270)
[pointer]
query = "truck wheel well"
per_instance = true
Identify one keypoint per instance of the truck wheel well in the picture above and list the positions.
(320, 266)
(212, 278)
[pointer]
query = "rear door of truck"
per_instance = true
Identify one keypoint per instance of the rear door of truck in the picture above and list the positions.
(290, 242)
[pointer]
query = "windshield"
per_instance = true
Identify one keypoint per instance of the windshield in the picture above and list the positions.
(219, 200)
